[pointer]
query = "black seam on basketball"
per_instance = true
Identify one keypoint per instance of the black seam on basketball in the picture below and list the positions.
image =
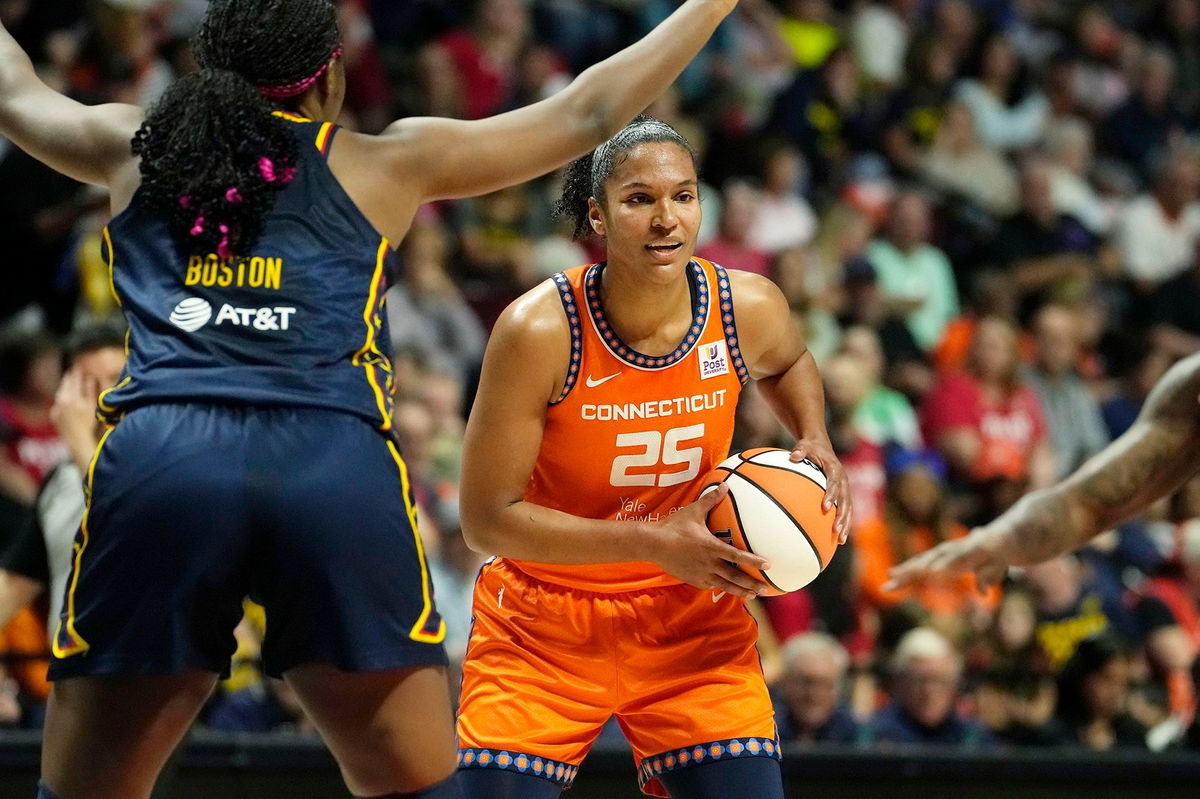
(790, 471)
(745, 539)
(795, 521)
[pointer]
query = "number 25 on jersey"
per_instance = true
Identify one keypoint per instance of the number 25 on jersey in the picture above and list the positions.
(658, 450)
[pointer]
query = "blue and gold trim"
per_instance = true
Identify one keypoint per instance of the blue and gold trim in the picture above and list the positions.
(557, 772)
(697, 282)
(368, 356)
(567, 295)
(67, 641)
(429, 627)
(655, 766)
(729, 326)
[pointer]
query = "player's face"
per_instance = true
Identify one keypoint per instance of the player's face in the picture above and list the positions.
(651, 211)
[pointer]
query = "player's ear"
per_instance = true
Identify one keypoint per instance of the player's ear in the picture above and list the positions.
(596, 216)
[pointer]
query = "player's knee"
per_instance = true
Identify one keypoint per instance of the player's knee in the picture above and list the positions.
(448, 788)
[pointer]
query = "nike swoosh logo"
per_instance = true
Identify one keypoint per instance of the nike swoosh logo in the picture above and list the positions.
(593, 383)
(716, 597)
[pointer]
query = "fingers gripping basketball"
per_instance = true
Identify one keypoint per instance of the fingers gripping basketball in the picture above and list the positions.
(774, 509)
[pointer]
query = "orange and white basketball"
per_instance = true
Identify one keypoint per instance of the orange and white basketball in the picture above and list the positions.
(773, 509)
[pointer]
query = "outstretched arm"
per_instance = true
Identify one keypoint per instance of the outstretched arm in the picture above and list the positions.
(88, 143)
(449, 158)
(1156, 456)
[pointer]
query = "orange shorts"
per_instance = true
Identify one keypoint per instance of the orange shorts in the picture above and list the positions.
(548, 665)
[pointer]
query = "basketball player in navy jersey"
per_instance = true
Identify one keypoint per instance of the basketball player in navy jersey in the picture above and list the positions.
(251, 248)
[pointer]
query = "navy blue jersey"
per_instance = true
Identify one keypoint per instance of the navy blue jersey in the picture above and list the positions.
(298, 322)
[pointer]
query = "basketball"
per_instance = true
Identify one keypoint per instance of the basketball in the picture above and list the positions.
(773, 509)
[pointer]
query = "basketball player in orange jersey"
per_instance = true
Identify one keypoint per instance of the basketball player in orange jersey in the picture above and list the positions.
(1157, 455)
(607, 395)
(250, 446)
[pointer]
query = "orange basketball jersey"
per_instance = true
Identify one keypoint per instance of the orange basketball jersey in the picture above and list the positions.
(632, 435)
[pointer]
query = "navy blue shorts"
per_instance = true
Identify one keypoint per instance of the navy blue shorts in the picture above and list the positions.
(193, 507)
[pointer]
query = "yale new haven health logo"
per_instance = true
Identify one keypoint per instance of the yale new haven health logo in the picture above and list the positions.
(713, 360)
(191, 314)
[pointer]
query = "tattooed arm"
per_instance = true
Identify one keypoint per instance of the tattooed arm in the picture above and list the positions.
(1156, 456)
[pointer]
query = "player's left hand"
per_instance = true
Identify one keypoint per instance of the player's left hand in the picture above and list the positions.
(837, 492)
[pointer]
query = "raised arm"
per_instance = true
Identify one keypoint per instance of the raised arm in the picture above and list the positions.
(524, 368)
(448, 158)
(1151, 460)
(88, 143)
(788, 377)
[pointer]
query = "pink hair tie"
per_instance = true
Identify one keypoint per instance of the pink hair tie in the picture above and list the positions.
(233, 196)
(301, 86)
(223, 248)
(185, 201)
(198, 228)
(267, 167)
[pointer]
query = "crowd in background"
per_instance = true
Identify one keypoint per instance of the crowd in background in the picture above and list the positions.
(984, 213)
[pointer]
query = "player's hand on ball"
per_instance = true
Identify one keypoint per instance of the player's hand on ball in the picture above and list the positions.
(687, 550)
(982, 552)
(837, 493)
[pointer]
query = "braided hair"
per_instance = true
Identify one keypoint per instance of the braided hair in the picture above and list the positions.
(585, 178)
(212, 153)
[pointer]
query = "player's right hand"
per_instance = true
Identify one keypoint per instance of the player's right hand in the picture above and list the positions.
(685, 548)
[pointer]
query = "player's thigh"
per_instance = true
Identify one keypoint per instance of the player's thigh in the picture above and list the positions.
(108, 737)
(693, 685)
(390, 730)
(538, 679)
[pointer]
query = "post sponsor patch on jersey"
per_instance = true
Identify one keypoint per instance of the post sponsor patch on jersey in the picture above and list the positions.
(714, 361)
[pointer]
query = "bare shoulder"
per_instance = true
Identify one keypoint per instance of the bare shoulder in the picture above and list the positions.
(771, 339)
(536, 319)
(753, 293)
(529, 351)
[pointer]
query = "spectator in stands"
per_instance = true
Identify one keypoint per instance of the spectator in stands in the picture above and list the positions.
(987, 423)
(1072, 412)
(732, 248)
(1009, 113)
(1151, 121)
(811, 701)
(1042, 251)
(914, 275)
(784, 219)
(963, 167)
(1173, 312)
(926, 679)
(1159, 230)
(1135, 381)
(885, 416)
(426, 312)
(1069, 147)
(1093, 696)
(916, 108)
(846, 385)
(36, 563)
(880, 33)
(30, 446)
(916, 517)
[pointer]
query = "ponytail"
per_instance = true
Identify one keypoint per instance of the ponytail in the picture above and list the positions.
(212, 158)
(576, 191)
